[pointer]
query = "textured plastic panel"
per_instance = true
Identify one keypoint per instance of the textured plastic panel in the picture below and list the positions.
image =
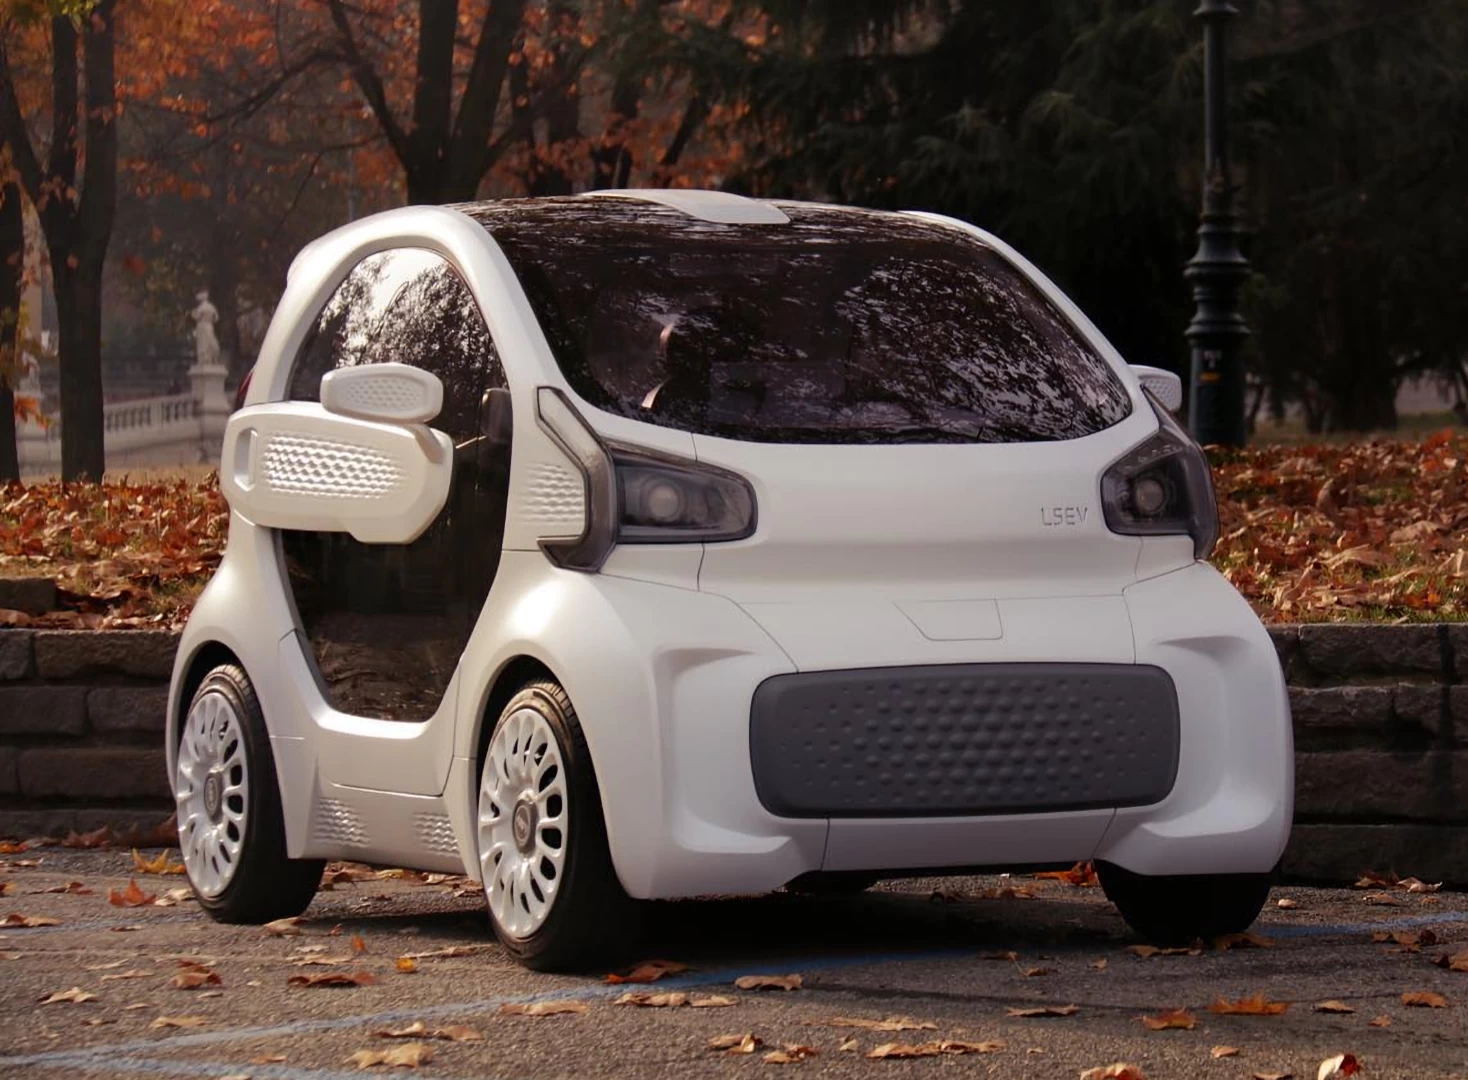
(554, 498)
(326, 468)
(294, 465)
(394, 393)
(963, 739)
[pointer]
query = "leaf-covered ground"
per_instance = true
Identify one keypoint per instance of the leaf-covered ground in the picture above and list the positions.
(1366, 530)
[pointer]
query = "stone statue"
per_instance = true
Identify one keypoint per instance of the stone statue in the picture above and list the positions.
(206, 343)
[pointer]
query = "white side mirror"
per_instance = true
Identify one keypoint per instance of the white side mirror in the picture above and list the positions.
(1165, 386)
(387, 393)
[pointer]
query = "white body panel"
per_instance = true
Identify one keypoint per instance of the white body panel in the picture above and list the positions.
(862, 557)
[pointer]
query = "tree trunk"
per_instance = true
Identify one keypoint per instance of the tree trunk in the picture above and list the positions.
(79, 345)
(12, 264)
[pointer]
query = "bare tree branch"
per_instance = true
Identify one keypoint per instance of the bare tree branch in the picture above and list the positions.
(369, 82)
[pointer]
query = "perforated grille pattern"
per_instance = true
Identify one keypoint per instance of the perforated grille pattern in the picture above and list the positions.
(326, 468)
(964, 739)
(436, 833)
(338, 823)
(553, 495)
(382, 394)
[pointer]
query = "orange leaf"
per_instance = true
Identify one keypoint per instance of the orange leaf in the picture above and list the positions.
(1425, 999)
(333, 978)
(132, 896)
(1175, 1018)
(1249, 1006)
(647, 971)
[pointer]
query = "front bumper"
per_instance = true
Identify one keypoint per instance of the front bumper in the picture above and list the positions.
(667, 710)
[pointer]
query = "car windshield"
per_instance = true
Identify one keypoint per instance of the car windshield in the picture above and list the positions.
(843, 326)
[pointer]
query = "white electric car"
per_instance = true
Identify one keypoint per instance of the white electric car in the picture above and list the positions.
(655, 544)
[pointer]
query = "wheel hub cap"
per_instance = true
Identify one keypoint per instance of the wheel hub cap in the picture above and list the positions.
(523, 823)
(212, 789)
(214, 795)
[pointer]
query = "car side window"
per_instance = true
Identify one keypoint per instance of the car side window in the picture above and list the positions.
(387, 623)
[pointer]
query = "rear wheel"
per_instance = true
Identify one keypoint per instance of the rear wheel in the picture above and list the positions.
(554, 898)
(1180, 909)
(230, 826)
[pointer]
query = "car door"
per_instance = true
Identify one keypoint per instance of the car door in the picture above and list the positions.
(381, 626)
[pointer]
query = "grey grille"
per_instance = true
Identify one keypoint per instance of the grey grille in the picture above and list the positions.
(963, 739)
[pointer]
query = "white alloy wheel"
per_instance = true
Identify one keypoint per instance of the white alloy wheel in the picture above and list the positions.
(212, 788)
(523, 822)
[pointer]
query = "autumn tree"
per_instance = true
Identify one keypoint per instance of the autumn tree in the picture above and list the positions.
(72, 183)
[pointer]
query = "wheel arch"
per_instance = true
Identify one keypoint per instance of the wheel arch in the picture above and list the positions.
(205, 658)
(511, 677)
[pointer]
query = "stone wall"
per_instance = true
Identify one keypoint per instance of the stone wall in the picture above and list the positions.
(1381, 717)
(81, 731)
(1381, 767)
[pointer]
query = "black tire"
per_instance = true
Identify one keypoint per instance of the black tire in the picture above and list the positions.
(832, 883)
(1181, 909)
(267, 884)
(592, 920)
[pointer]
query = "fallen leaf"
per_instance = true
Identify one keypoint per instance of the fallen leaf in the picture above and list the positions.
(1413, 885)
(453, 1033)
(1011, 957)
(768, 982)
(892, 1023)
(1174, 1018)
(1379, 1022)
(1239, 941)
(542, 1008)
(98, 1021)
(321, 961)
(647, 971)
(1044, 1010)
(13, 847)
(449, 951)
(17, 919)
(936, 1049)
(406, 964)
(75, 996)
(333, 978)
(1100, 965)
(712, 1001)
(1081, 875)
(849, 1045)
(1424, 999)
(1118, 1071)
(1340, 1065)
(1333, 1006)
(789, 1053)
(178, 1022)
(1381, 899)
(159, 865)
(97, 838)
(1249, 1006)
(71, 888)
(290, 927)
(1225, 1051)
(1456, 962)
(1272, 1076)
(113, 966)
(125, 929)
(736, 1044)
(358, 945)
(195, 978)
(1409, 940)
(135, 973)
(132, 896)
(1285, 902)
(1145, 951)
(409, 1055)
(671, 1000)
(1037, 971)
(267, 1059)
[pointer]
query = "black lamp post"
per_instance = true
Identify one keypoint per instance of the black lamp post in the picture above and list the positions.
(1218, 270)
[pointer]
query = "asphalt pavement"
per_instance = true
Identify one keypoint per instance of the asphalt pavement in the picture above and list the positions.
(951, 957)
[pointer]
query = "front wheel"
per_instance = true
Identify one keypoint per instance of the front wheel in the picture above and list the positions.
(1183, 908)
(230, 826)
(554, 898)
